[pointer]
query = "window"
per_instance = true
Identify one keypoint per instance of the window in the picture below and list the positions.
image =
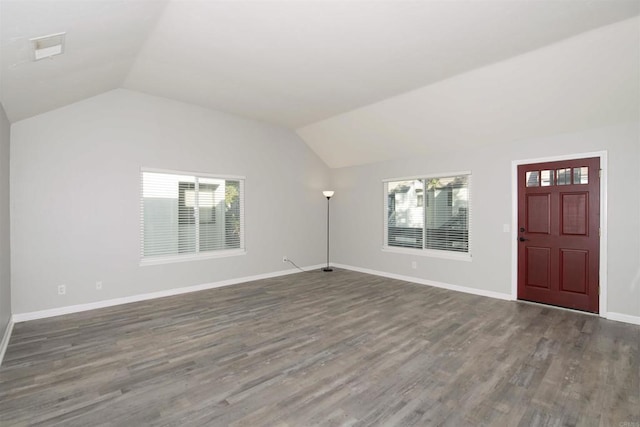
(185, 216)
(430, 214)
(562, 176)
(420, 197)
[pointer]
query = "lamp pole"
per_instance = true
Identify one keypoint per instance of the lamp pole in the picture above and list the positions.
(328, 194)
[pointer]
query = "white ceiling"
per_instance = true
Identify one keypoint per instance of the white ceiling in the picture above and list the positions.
(103, 40)
(293, 63)
(585, 82)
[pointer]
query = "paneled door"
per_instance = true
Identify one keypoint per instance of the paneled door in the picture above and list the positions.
(559, 233)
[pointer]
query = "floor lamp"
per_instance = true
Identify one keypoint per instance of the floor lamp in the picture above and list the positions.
(328, 195)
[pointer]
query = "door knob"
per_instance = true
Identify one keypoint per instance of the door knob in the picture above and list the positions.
(522, 239)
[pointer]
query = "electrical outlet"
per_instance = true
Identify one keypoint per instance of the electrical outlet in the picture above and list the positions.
(98, 286)
(284, 258)
(62, 289)
(414, 265)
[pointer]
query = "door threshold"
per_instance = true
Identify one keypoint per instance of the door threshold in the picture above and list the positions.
(540, 304)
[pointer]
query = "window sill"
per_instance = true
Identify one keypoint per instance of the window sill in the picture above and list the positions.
(190, 257)
(458, 256)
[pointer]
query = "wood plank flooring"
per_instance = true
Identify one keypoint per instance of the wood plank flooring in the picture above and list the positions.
(330, 349)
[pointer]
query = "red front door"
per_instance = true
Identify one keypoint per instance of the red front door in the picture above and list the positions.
(559, 233)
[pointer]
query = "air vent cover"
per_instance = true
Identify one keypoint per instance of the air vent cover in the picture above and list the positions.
(48, 46)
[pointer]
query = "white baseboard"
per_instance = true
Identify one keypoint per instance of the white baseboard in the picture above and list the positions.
(626, 318)
(42, 314)
(474, 291)
(5, 340)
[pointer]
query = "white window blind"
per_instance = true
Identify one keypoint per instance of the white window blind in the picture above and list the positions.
(430, 213)
(184, 215)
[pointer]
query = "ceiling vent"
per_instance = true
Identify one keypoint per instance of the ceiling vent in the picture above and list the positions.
(48, 46)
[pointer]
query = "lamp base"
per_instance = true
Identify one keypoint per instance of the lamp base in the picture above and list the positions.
(327, 269)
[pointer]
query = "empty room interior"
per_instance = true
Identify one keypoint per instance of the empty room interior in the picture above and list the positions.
(294, 213)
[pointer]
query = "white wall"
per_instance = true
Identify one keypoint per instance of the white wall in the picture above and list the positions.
(5, 255)
(75, 182)
(358, 208)
(75, 174)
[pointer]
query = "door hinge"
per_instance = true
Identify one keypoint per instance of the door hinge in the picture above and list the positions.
(599, 173)
(599, 232)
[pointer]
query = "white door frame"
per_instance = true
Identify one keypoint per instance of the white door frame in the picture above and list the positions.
(603, 220)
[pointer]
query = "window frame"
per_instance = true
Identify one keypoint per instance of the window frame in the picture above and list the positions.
(191, 256)
(433, 253)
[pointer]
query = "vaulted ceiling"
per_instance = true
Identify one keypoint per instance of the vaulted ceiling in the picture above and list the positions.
(292, 63)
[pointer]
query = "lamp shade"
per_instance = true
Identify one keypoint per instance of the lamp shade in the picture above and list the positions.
(328, 193)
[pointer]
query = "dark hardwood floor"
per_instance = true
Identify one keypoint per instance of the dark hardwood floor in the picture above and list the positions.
(340, 348)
